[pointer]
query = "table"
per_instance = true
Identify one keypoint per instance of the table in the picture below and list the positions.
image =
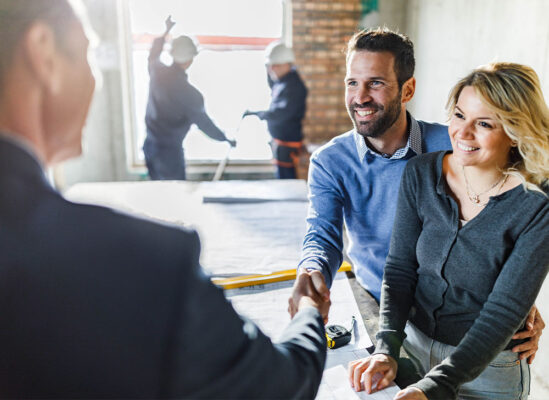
(238, 215)
(264, 220)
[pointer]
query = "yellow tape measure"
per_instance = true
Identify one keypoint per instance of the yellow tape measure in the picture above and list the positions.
(337, 335)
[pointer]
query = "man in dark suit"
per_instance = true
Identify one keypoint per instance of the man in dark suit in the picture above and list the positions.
(98, 304)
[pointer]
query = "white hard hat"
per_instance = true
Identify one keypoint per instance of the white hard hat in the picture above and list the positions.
(183, 49)
(278, 53)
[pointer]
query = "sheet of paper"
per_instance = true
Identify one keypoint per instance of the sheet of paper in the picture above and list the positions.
(266, 305)
(331, 387)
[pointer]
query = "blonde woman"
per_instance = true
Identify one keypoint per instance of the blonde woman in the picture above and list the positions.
(470, 250)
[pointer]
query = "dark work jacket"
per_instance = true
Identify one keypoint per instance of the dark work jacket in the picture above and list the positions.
(287, 108)
(174, 104)
(96, 304)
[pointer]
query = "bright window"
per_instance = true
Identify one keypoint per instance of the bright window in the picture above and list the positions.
(229, 71)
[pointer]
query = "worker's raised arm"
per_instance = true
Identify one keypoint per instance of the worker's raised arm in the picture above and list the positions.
(158, 43)
(169, 25)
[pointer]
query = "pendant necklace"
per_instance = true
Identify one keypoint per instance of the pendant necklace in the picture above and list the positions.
(473, 196)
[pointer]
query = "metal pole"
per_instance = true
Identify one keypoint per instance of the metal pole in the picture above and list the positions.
(223, 163)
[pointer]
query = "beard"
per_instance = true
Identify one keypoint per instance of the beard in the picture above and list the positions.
(386, 117)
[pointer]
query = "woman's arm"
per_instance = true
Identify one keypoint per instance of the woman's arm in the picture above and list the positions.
(513, 295)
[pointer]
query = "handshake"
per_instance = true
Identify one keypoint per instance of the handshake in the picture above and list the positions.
(310, 290)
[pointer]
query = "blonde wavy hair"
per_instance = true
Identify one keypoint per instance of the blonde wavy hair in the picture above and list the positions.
(513, 93)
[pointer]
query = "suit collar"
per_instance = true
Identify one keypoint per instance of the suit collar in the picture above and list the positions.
(17, 160)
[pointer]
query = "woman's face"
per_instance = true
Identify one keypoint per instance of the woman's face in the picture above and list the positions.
(477, 138)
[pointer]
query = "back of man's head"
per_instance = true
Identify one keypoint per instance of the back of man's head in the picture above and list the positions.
(383, 39)
(16, 16)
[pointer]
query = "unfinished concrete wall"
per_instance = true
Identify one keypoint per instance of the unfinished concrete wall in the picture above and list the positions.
(453, 37)
(104, 157)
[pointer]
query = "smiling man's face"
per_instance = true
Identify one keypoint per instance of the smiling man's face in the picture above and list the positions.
(372, 93)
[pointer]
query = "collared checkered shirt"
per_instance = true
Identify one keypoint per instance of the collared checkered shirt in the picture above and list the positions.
(414, 143)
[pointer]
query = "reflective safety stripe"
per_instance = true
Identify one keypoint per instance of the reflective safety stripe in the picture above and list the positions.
(294, 145)
(283, 164)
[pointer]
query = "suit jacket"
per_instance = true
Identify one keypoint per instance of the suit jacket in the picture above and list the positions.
(94, 303)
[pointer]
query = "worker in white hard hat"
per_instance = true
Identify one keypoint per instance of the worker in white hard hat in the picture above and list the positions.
(287, 108)
(173, 106)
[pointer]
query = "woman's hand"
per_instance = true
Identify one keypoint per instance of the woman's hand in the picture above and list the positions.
(410, 393)
(377, 371)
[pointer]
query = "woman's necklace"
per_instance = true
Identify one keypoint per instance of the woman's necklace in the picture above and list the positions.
(473, 196)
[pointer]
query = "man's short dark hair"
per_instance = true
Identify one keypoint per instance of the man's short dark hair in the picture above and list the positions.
(16, 16)
(383, 39)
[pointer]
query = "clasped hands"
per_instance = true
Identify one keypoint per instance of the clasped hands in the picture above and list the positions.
(310, 290)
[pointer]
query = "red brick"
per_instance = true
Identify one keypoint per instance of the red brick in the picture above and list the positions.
(321, 29)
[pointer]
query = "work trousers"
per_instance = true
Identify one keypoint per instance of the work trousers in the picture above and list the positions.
(164, 161)
(284, 154)
(505, 378)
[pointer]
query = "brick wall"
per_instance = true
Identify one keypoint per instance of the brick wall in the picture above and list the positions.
(321, 29)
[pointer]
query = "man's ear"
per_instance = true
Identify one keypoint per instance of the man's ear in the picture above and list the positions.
(408, 90)
(42, 56)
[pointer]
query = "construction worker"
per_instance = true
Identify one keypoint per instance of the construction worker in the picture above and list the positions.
(173, 106)
(287, 108)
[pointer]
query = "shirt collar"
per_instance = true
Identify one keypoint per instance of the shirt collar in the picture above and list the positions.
(413, 143)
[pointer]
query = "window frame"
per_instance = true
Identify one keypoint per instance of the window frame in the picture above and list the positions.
(194, 167)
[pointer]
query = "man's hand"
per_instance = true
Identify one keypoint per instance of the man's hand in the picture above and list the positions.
(377, 372)
(169, 25)
(410, 393)
(534, 328)
(232, 142)
(310, 290)
(248, 112)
